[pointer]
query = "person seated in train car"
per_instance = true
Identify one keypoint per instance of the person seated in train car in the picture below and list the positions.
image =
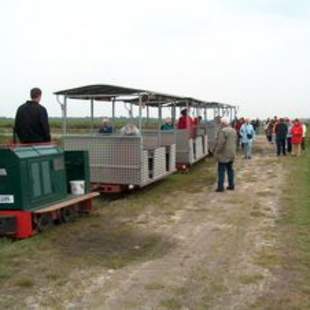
(130, 130)
(106, 127)
(168, 125)
(185, 121)
(197, 121)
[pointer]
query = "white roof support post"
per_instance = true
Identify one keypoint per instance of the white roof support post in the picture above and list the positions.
(187, 108)
(140, 113)
(92, 114)
(173, 113)
(159, 116)
(113, 114)
(64, 124)
(131, 111)
(63, 113)
(159, 123)
(147, 114)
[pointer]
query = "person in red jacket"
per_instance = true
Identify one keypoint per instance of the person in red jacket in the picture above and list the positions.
(196, 121)
(297, 133)
(185, 121)
(238, 125)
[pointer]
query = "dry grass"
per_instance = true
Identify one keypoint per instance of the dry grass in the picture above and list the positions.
(251, 278)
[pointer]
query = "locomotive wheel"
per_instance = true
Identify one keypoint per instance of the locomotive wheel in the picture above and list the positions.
(44, 222)
(68, 214)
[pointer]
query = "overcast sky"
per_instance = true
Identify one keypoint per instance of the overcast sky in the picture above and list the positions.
(252, 53)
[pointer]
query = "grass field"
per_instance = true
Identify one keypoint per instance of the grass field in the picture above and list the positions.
(74, 125)
(292, 258)
(78, 123)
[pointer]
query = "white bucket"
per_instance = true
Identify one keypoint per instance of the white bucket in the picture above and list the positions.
(77, 187)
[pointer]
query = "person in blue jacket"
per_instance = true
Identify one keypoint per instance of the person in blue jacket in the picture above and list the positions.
(247, 134)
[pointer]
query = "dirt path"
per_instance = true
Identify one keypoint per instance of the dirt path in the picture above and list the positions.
(219, 249)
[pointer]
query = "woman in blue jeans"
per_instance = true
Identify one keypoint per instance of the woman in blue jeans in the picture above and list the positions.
(247, 134)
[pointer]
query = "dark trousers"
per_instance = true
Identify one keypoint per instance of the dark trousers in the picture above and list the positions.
(303, 144)
(281, 146)
(222, 168)
(238, 142)
(289, 145)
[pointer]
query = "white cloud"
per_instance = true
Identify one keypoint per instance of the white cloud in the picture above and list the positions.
(207, 49)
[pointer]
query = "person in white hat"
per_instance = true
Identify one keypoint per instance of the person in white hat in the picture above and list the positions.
(106, 127)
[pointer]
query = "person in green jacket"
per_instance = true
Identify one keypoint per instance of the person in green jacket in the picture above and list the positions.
(225, 152)
(167, 125)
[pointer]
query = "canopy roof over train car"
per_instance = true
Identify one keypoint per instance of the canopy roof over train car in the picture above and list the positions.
(181, 102)
(105, 92)
(133, 96)
(196, 103)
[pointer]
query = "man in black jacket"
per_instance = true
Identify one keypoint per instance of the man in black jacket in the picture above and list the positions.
(31, 121)
(281, 131)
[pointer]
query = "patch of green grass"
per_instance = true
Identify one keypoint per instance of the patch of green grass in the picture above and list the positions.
(265, 193)
(251, 278)
(297, 215)
(249, 178)
(53, 276)
(201, 176)
(160, 196)
(257, 214)
(112, 244)
(4, 274)
(80, 123)
(171, 304)
(25, 282)
(181, 291)
(235, 200)
(268, 258)
(292, 258)
(272, 174)
(154, 286)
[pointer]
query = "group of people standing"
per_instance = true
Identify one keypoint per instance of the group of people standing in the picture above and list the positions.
(289, 136)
